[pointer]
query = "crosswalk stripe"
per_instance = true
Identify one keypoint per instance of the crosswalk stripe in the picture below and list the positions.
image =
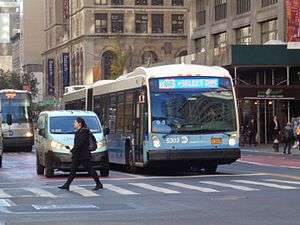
(3, 194)
(119, 190)
(154, 188)
(283, 181)
(82, 191)
(266, 184)
(192, 187)
(40, 192)
(237, 187)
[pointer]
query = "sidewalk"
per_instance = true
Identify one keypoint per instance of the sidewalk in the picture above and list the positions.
(267, 148)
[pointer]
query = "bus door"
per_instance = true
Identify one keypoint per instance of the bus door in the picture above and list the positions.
(140, 124)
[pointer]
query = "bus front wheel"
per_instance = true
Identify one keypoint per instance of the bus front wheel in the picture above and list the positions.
(211, 168)
(0, 161)
(104, 172)
(28, 149)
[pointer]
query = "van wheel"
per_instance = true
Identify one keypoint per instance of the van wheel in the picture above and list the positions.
(212, 168)
(104, 172)
(39, 168)
(49, 171)
(0, 161)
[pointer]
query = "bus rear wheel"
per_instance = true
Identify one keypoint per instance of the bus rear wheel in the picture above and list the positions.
(0, 161)
(28, 149)
(211, 168)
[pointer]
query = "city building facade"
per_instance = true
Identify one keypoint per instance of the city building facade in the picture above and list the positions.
(81, 37)
(10, 25)
(258, 42)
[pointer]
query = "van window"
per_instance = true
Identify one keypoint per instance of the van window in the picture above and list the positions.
(65, 124)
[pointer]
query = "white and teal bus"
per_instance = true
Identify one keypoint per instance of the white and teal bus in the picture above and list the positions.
(173, 115)
(17, 127)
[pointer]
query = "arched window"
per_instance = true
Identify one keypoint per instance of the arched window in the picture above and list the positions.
(149, 57)
(182, 53)
(106, 61)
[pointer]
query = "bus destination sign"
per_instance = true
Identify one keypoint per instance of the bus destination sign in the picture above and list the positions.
(188, 83)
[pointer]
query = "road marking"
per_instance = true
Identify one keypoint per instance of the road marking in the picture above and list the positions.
(40, 192)
(119, 190)
(64, 206)
(192, 187)
(237, 187)
(4, 195)
(4, 203)
(266, 184)
(266, 164)
(82, 191)
(283, 181)
(154, 188)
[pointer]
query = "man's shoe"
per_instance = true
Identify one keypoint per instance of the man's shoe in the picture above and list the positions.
(65, 187)
(98, 186)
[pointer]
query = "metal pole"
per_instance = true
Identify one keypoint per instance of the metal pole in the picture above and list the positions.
(288, 75)
(289, 113)
(266, 130)
(258, 121)
(235, 76)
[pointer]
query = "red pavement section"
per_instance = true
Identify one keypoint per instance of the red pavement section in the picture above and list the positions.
(272, 160)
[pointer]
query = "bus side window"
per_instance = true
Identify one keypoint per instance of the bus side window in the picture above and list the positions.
(120, 114)
(129, 112)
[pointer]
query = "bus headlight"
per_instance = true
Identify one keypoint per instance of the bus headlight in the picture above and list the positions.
(57, 145)
(28, 134)
(101, 144)
(232, 140)
(156, 142)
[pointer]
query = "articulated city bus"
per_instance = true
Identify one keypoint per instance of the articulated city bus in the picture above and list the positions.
(1, 138)
(17, 125)
(180, 115)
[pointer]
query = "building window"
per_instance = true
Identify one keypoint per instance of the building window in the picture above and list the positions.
(200, 44)
(220, 43)
(157, 2)
(178, 24)
(220, 9)
(141, 23)
(100, 23)
(269, 31)
(265, 3)
(117, 23)
(200, 14)
(141, 2)
(243, 6)
(100, 2)
(117, 2)
(157, 23)
(177, 2)
(149, 58)
(243, 35)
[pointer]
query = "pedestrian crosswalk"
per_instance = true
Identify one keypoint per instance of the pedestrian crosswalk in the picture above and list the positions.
(150, 186)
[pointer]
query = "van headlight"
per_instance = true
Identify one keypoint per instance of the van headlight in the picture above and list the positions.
(232, 140)
(101, 144)
(29, 134)
(156, 142)
(56, 145)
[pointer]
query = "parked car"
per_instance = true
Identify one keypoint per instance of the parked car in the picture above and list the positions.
(55, 139)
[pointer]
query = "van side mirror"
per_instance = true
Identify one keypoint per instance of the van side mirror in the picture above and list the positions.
(106, 131)
(42, 132)
(9, 119)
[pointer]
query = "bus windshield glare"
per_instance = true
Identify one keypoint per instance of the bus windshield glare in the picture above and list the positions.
(65, 124)
(192, 105)
(18, 107)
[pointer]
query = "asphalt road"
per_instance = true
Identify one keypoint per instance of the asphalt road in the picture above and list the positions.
(241, 194)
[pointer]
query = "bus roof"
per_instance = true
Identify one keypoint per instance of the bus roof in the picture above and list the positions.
(13, 90)
(68, 113)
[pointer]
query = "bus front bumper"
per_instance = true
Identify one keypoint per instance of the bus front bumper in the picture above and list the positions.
(14, 142)
(220, 156)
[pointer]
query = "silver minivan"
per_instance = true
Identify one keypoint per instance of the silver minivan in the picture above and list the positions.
(55, 139)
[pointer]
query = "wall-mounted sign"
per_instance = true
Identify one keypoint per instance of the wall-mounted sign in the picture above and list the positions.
(269, 93)
(51, 76)
(66, 69)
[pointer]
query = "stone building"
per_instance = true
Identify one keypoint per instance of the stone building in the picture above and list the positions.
(81, 37)
(258, 41)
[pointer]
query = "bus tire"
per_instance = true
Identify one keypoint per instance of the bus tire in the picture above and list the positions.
(0, 161)
(28, 149)
(104, 172)
(49, 171)
(128, 152)
(211, 168)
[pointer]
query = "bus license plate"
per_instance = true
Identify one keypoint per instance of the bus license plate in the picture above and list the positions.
(216, 141)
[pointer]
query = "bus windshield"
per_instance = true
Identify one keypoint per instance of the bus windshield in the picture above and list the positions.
(65, 124)
(192, 106)
(18, 107)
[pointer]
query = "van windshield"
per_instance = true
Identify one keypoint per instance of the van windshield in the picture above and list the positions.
(65, 124)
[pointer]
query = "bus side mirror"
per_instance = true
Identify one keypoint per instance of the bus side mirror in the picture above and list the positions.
(9, 119)
(106, 131)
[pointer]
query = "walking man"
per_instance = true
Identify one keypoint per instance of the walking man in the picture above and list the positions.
(288, 138)
(81, 155)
